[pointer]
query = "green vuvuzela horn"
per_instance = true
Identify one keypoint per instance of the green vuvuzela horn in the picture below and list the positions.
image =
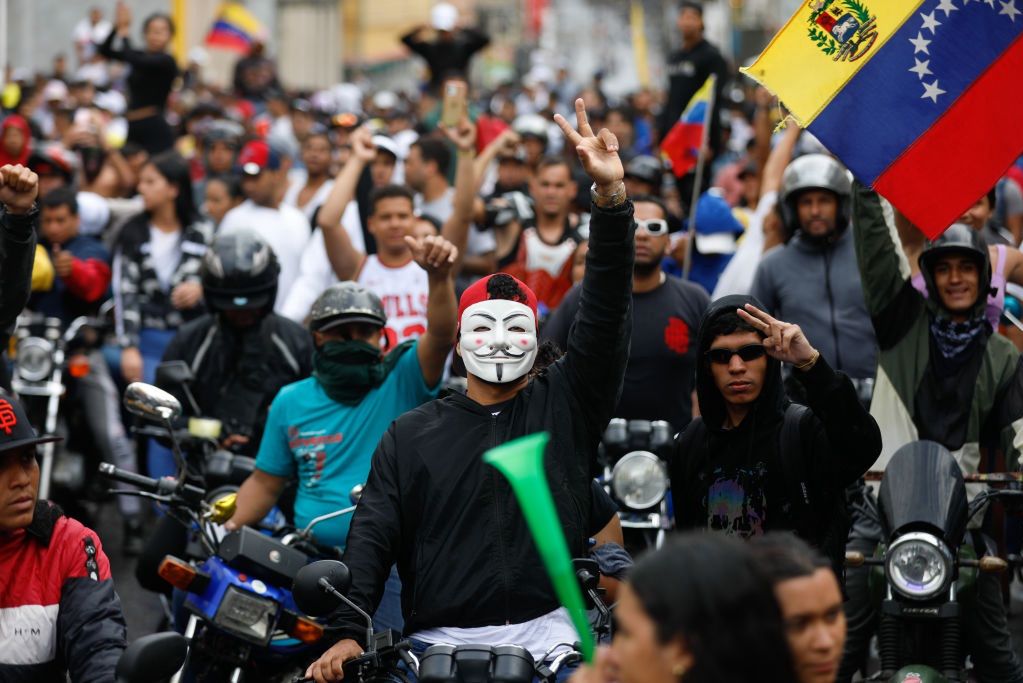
(521, 462)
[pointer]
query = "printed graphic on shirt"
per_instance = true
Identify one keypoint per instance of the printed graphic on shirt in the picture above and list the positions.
(736, 502)
(28, 634)
(676, 335)
(310, 450)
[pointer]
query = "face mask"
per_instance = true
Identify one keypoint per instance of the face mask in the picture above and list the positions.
(498, 340)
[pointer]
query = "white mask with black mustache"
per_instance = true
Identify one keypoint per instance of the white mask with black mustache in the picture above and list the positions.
(498, 340)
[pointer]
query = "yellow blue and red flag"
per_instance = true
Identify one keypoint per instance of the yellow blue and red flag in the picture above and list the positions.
(919, 98)
(235, 29)
(681, 146)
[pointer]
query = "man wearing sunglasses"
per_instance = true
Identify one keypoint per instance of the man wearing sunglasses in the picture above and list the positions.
(754, 462)
(666, 315)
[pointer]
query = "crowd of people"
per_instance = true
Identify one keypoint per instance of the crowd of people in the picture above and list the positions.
(368, 289)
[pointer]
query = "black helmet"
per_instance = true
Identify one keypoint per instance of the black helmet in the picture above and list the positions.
(646, 169)
(239, 270)
(814, 172)
(346, 302)
(958, 239)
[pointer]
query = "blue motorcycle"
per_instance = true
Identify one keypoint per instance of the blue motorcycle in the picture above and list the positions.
(243, 623)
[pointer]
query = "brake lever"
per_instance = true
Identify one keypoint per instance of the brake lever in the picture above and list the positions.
(141, 494)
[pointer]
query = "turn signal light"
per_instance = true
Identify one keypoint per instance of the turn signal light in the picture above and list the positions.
(78, 366)
(182, 575)
(854, 558)
(306, 630)
(989, 564)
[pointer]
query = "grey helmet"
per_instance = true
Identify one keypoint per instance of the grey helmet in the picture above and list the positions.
(814, 172)
(646, 169)
(346, 302)
(531, 125)
(961, 239)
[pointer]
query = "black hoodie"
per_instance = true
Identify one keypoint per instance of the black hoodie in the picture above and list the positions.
(734, 480)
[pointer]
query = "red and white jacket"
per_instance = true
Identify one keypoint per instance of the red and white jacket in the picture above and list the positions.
(58, 608)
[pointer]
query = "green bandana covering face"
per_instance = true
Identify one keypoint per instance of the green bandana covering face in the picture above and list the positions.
(347, 370)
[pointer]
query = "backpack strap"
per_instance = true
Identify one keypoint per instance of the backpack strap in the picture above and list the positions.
(791, 447)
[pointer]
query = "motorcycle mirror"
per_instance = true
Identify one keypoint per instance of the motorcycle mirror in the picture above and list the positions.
(989, 564)
(173, 372)
(310, 596)
(151, 403)
(356, 493)
(155, 657)
(854, 558)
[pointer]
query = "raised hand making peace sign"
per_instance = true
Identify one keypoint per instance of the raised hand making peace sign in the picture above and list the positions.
(598, 153)
(784, 341)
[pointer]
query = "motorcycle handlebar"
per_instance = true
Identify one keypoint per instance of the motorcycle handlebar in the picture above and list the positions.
(164, 486)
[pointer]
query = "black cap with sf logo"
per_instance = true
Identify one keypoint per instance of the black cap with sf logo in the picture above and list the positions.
(15, 429)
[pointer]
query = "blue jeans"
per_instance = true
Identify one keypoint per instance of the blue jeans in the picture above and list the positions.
(388, 614)
(152, 344)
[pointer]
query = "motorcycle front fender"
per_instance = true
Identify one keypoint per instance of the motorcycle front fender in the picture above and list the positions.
(915, 673)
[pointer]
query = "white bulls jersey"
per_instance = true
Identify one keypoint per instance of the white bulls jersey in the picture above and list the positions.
(404, 291)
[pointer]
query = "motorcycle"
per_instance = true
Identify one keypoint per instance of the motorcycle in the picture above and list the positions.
(924, 574)
(44, 352)
(635, 457)
(243, 621)
(321, 587)
(151, 659)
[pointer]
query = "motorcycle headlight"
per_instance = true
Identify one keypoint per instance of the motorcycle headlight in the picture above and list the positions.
(34, 360)
(918, 565)
(639, 480)
(246, 615)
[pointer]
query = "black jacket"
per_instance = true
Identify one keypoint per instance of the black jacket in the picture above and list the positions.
(735, 480)
(447, 59)
(450, 522)
(17, 251)
(687, 71)
(238, 374)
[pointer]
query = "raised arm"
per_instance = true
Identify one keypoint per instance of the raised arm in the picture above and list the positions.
(19, 224)
(437, 256)
(456, 228)
(345, 259)
(778, 159)
(598, 346)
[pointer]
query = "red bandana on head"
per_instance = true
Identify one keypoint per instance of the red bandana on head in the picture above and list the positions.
(478, 292)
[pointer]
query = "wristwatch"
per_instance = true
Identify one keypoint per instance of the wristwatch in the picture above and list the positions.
(610, 201)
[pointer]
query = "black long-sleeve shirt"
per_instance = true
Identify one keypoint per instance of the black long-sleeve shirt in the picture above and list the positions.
(451, 523)
(687, 71)
(447, 59)
(17, 254)
(152, 73)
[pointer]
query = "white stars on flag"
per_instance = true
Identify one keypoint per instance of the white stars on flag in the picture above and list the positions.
(920, 44)
(947, 7)
(1009, 9)
(922, 68)
(930, 22)
(931, 90)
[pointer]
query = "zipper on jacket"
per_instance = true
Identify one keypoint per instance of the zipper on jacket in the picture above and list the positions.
(494, 475)
(831, 305)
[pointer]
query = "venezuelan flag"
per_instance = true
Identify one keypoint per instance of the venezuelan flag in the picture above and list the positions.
(681, 146)
(919, 98)
(234, 29)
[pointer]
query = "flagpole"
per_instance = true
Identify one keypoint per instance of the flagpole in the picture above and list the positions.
(700, 159)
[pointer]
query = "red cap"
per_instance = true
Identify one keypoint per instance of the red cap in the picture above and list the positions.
(477, 292)
(257, 156)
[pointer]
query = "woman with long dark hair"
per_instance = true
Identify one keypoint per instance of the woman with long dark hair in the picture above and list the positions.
(152, 74)
(156, 266)
(696, 611)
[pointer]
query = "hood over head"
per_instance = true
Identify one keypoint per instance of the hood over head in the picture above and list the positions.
(771, 402)
(19, 122)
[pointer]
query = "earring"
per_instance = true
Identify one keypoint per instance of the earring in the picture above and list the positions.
(679, 670)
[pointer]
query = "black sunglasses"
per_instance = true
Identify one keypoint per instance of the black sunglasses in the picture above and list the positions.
(746, 353)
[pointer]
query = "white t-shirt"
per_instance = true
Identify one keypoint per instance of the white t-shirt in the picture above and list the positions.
(737, 277)
(165, 253)
(404, 292)
(291, 197)
(536, 635)
(286, 230)
(315, 274)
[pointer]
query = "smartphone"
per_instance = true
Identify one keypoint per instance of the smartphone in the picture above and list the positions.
(454, 106)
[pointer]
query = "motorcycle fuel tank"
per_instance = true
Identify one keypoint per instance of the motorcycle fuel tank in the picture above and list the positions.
(923, 486)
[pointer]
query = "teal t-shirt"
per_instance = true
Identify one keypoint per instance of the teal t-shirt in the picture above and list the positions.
(328, 445)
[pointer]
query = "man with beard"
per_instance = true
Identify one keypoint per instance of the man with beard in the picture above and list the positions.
(667, 312)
